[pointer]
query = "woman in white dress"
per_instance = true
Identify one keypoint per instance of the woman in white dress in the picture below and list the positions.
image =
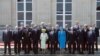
(43, 38)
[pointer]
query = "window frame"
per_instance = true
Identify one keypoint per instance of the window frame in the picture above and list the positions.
(96, 13)
(64, 13)
(24, 11)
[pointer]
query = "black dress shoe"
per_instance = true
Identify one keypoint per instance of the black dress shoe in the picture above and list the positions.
(4, 52)
(92, 52)
(81, 52)
(89, 53)
(70, 52)
(96, 49)
(73, 52)
(9, 53)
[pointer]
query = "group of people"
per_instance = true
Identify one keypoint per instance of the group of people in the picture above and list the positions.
(44, 37)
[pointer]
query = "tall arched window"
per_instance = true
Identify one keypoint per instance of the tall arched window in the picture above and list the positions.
(64, 12)
(24, 12)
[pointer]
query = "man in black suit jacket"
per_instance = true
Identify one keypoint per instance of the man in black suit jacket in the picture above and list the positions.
(85, 35)
(80, 41)
(52, 41)
(35, 39)
(90, 39)
(56, 36)
(48, 29)
(71, 41)
(21, 29)
(26, 40)
(96, 30)
(7, 38)
(17, 40)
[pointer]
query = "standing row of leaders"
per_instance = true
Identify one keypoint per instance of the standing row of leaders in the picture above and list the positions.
(44, 37)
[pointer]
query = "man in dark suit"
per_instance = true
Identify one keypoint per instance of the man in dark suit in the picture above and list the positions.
(85, 35)
(26, 40)
(76, 28)
(52, 41)
(56, 36)
(21, 29)
(35, 39)
(38, 35)
(48, 29)
(7, 38)
(71, 41)
(96, 30)
(17, 40)
(80, 40)
(91, 36)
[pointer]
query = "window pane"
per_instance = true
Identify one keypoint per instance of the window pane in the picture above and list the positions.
(59, 12)
(98, 24)
(20, 16)
(60, 23)
(29, 16)
(28, 6)
(20, 0)
(98, 5)
(68, 12)
(59, 6)
(59, 0)
(68, 17)
(68, 0)
(68, 24)
(98, 0)
(20, 7)
(98, 15)
(59, 17)
(28, 23)
(19, 22)
(68, 7)
(28, 0)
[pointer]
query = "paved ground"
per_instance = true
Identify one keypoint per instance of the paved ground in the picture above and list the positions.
(52, 54)
(58, 53)
(47, 53)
